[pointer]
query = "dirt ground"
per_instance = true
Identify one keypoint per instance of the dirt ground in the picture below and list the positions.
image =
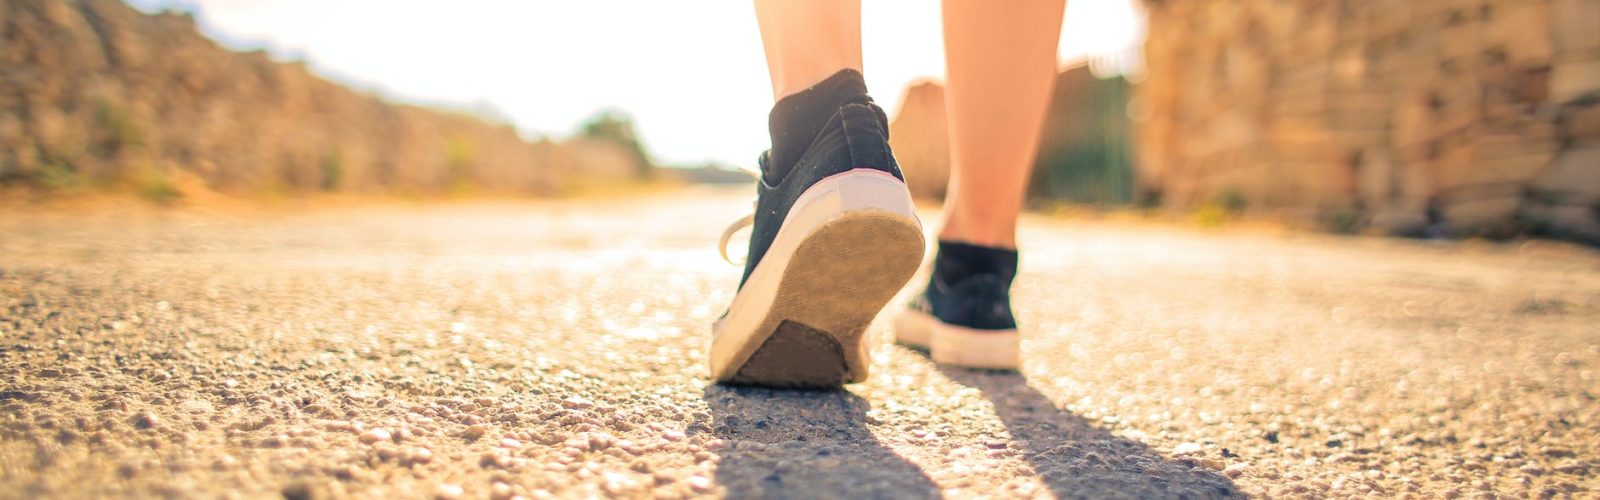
(555, 349)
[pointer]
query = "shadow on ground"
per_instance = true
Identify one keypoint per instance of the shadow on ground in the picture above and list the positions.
(805, 444)
(1077, 459)
(816, 444)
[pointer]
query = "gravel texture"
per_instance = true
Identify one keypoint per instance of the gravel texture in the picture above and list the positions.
(555, 349)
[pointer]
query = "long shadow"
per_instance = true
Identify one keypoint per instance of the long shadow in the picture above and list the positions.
(1077, 459)
(805, 444)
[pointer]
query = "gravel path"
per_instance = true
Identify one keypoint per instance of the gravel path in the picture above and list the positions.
(554, 348)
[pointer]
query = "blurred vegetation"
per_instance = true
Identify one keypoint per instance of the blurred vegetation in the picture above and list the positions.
(333, 169)
(460, 159)
(116, 129)
(1225, 206)
(156, 185)
(1342, 221)
(617, 127)
(58, 175)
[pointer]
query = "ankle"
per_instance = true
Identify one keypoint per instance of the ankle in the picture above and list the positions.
(796, 120)
(955, 262)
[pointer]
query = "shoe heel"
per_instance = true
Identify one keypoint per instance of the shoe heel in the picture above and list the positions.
(986, 349)
(853, 241)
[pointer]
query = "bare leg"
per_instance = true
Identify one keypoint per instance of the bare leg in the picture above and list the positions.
(808, 40)
(1000, 62)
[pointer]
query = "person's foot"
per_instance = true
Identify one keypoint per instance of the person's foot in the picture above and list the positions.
(963, 317)
(833, 239)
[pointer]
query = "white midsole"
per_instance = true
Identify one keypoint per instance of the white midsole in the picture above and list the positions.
(957, 345)
(860, 191)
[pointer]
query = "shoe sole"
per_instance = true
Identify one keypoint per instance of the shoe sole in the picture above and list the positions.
(956, 345)
(848, 244)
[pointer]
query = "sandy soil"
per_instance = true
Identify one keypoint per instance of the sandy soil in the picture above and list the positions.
(554, 349)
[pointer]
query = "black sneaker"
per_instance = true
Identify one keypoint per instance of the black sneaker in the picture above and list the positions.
(831, 244)
(966, 320)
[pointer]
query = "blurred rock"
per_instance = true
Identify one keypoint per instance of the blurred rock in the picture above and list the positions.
(1379, 108)
(93, 92)
(1573, 179)
(1083, 154)
(919, 136)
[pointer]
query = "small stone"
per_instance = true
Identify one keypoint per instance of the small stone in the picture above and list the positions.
(475, 431)
(225, 462)
(276, 441)
(375, 435)
(1235, 470)
(145, 420)
(298, 490)
(448, 491)
(490, 460)
(500, 490)
(1187, 449)
(700, 484)
(420, 456)
(615, 483)
(577, 403)
(510, 443)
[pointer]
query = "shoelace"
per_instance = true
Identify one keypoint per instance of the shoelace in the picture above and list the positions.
(727, 235)
(743, 222)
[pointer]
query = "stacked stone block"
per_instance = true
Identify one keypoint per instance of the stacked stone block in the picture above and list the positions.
(1458, 117)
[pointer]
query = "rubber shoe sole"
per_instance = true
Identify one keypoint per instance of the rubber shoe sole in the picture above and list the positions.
(847, 246)
(956, 345)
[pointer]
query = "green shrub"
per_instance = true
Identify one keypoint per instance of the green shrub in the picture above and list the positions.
(1210, 215)
(460, 158)
(333, 169)
(156, 186)
(1343, 221)
(1231, 201)
(57, 175)
(617, 127)
(116, 128)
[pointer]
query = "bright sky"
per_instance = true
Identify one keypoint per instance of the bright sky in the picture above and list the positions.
(691, 73)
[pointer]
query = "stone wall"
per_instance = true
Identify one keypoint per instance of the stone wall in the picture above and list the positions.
(93, 92)
(1457, 117)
